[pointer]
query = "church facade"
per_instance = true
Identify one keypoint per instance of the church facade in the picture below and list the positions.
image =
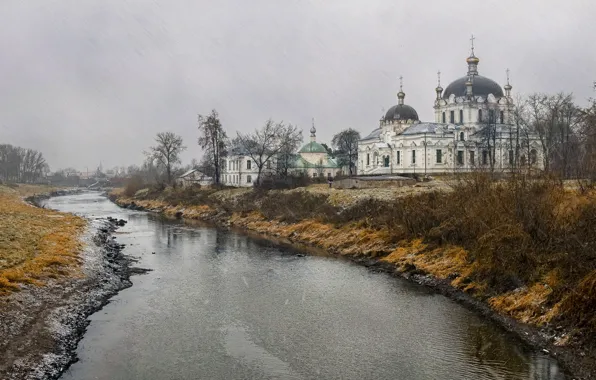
(474, 129)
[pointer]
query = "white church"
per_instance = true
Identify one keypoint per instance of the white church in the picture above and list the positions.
(473, 129)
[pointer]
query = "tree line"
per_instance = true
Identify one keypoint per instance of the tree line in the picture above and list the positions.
(272, 146)
(21, 164)
(565, 132)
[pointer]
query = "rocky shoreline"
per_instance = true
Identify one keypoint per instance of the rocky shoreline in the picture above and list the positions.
(577, 362)
(40, 327)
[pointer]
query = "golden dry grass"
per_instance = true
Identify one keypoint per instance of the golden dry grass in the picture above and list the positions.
(35, 244)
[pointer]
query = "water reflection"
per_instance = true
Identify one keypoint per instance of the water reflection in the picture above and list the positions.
(220, 305)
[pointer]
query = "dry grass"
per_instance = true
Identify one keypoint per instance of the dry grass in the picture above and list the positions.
(35, 244)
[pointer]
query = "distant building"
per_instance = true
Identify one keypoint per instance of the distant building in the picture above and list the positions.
(312, 160)
(473, 129)
(194, 177)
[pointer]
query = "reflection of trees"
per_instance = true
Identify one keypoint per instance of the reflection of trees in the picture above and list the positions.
(493, 350)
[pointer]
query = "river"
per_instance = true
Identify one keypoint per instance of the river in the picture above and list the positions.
(221, 305)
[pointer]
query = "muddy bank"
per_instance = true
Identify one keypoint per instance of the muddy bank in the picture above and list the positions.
(41, 326)
(37, 199)
(578, 360)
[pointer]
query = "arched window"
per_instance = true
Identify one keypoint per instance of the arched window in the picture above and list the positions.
(386, 161)
(367, 159)
(461, 136)
(461, 116)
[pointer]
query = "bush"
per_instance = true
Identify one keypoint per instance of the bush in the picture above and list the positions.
(134, 184)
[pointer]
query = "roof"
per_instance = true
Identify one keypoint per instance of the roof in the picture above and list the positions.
(301, 163)
(373, 135)
(313, 147)
(421, 128)
(401, 112)
(481, 86)
(193, 171)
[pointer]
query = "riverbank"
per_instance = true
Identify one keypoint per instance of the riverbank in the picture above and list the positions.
(55, 270)
(419, 236)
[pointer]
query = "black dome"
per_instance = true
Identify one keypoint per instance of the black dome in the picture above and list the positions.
(401, 112)
(482, 86)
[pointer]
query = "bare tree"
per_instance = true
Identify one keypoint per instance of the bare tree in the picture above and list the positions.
(586, 171)
(554, 118)
(346, 145)
(488, 139)
(213, 140)
(266, 143)
(167, 151)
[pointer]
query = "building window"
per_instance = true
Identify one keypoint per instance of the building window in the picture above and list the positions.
(491, 116)
(269, 164)
(461, 136)
(439, 156)
(510, 157)
(398, 157)
(328, 175)
(248, 164)
(533, 156)
(443, 117)
(460, 157)
(413, 156)
(472, 158)
(367, 159)
(484, 157)
(502, 117)
(480, 115)
(314, 175)
(452, 117)
(248, 179)
(386, 161)
(461, 116)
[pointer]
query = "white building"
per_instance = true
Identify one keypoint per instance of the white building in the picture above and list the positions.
(194, 177)
(473, 129)
(312, 160)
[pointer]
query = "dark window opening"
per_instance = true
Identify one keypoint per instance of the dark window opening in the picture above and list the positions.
(511, 160)
(479, 115)
(386, 161)
(460, 157)
(248, 164)
(439, 156)
(461, 116)
(443, 117)
(367, 158)
(413, 156)
(484, 157)
(452, 117)
(398, 157)
(472, 157)
(461, 136)
(502, 117)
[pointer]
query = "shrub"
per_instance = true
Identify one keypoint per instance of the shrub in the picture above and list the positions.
(134, 184)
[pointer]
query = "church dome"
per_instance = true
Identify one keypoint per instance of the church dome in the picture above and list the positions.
(401, 112)
(313, 147)
(480, 86)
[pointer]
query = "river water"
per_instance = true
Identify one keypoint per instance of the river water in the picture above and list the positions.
(221, 305)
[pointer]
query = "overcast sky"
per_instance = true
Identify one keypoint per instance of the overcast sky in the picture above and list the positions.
(86, 81)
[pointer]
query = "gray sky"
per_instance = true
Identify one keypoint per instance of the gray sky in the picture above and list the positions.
(91, 80)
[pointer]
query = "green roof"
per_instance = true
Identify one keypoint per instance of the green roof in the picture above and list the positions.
(313, 147)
